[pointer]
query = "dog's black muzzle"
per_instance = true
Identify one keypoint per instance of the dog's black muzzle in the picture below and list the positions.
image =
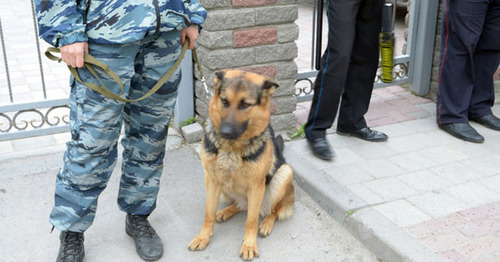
(230, 130)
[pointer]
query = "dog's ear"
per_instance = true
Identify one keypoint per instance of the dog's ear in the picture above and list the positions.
(219, 75)
(269, 83)
(268, 88)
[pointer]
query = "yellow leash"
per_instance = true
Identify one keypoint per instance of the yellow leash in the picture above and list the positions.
(91, 62)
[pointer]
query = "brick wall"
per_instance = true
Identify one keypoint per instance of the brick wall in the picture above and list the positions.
(252, 35)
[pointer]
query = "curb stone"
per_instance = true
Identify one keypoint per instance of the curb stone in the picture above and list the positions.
(388, 241)
(192, 133)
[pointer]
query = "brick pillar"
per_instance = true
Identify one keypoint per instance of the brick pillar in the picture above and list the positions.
(253, 35)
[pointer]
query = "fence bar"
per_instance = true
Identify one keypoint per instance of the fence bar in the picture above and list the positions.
(6, 63)
(33, 133)
(38, 48)
(313, 54)
(319, 33)
(28, 106)
(307, 74)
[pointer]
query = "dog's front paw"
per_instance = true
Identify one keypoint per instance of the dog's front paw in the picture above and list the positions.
(249, 252)
(199, 243)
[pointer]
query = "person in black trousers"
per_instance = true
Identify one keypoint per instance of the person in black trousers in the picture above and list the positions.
(348, 69)
(470, 54)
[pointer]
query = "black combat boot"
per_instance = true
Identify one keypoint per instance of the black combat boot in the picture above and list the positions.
(71, 249)
(147, 243)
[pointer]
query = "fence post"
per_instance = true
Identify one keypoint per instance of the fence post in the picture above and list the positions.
(184, 106)
(4, 52)
(422, 47)
(252, 35)
(35, 26)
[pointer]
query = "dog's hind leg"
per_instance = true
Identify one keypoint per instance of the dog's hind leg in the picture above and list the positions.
(266, 226)
(227, 212)
(282, 197)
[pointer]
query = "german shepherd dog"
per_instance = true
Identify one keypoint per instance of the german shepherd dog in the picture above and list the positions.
(243, 161)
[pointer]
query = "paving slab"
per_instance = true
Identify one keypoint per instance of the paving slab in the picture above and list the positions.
(408, 204)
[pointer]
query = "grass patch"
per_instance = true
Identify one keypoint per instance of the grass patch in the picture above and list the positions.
(300, 133)
(191, 120)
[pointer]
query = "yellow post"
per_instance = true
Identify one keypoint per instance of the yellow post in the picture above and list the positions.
(386, 42)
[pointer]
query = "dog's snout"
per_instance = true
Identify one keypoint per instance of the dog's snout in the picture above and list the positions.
(229, 130)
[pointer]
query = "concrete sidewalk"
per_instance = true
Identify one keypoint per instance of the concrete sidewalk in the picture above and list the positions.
(421, 196)
(26, 198)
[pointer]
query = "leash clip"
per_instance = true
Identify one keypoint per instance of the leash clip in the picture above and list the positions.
(208, 92)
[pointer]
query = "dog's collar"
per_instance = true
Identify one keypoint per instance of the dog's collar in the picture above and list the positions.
(257, 143)
(261, 142)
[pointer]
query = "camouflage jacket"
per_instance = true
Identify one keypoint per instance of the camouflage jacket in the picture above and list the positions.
(63, 22)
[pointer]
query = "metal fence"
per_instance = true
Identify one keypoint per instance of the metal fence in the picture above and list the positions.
(26, 107)
(34, 91)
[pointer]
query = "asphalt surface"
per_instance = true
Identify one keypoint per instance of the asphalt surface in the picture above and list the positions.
(26, 198)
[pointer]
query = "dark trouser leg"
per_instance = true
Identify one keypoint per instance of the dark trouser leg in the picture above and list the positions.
(462, 26)
(486, 60)
(362, 67)
(334, 64)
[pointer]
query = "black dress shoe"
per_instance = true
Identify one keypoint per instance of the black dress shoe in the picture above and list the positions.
(365, 134)
(489, 121)
(71, 248)
(463, 131)
(147, 243)
(320, 148)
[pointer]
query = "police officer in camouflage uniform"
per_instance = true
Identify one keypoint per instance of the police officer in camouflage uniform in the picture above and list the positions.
(139, 40)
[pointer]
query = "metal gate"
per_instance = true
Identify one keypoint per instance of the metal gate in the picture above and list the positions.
(34, 91)
(413, 67)
(26, 107)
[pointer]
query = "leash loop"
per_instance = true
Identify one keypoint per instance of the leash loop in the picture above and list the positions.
(91, 63)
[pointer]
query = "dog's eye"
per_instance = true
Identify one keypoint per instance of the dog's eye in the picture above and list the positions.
(224, 101)
(244, 105)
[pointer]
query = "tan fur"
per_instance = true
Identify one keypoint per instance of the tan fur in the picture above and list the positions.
(229, 175)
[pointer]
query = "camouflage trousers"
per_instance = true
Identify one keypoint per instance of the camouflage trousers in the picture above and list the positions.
(96, 122)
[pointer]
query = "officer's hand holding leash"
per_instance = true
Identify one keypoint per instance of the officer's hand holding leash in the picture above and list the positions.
(72, 54)
(191, 33)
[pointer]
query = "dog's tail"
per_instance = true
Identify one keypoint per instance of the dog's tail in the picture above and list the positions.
(280, 143)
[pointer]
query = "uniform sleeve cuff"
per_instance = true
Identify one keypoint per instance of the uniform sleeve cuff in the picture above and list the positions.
(196, 20)
(73, 38)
